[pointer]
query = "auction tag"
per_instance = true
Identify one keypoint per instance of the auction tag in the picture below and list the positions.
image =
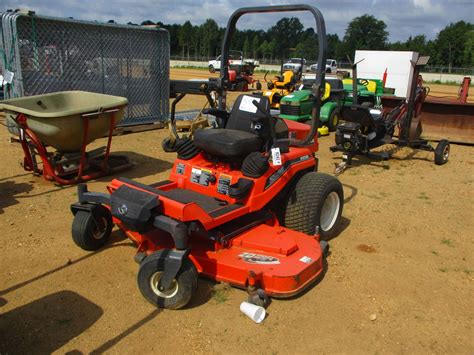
(8, 77)
(276, 156)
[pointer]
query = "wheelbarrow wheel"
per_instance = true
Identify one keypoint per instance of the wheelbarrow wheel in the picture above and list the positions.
(441, 152)
(91, 229)
(182, 287)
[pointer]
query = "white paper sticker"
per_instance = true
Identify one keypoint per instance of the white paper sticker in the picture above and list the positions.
(306, 259)
(276, 156)
(247, 104)
(8, 77)
(290, 96)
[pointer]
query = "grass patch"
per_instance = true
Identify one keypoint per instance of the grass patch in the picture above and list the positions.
(448, 242)
(434, 252)
(220, 293)
(447, 82)
(422, 196)
(443, 269)
(468, 271)
(190, 67)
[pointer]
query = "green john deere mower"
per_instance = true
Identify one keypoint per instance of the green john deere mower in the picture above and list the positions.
(297, 106)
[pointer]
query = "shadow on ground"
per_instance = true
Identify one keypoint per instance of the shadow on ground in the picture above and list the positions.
(9, 191)
(117, 240)
(46, 324)
(144, 166)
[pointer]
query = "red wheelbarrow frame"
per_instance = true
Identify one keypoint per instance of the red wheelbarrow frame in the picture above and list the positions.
(53, 173)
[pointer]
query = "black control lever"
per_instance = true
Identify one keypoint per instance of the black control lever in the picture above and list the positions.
(271, 120)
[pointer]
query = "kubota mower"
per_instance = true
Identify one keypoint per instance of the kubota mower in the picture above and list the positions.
(243, 203)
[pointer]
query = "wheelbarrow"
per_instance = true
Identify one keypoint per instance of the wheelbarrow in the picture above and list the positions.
(66, 121)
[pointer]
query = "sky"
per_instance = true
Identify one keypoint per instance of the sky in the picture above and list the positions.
(404, 18)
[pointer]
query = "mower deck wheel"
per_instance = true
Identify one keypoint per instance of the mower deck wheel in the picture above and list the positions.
(316, 201)
(182, 287)
(441, 152)
(91, 229)
(212, 69)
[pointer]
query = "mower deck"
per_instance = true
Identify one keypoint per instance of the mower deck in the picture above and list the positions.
(280, 260)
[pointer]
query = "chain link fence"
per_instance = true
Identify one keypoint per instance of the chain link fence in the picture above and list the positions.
(49, 54)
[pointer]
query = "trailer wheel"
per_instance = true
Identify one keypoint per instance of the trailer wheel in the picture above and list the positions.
(441, 152)
(333, 120)
(212, 69)
(316, 201)
(91, 229)
(259, 86)
(182, 287)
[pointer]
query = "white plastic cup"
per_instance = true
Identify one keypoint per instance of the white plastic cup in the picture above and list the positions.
(254, 312)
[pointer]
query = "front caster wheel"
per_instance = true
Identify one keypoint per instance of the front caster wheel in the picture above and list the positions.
(182, 287)
(91, 229)
(441, 152)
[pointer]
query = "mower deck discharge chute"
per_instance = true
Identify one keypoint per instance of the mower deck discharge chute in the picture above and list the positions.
(243, 203)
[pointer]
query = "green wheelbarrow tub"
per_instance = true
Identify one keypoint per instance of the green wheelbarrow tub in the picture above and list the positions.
(57, 118)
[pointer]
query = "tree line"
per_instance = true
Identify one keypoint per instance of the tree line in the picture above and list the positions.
(452, 47)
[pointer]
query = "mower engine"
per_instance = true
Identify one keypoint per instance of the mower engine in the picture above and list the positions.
(350, 140)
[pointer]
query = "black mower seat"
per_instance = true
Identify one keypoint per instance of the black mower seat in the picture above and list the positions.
(227, 142)
(238, 138)
(362, 115)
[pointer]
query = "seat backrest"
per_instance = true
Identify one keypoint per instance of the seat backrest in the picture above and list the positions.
(244, 110)
(359, 114)
(287, 79)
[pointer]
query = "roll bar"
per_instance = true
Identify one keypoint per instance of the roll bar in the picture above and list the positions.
(318, 85)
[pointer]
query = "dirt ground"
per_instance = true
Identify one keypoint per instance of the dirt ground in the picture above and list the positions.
(405, 255)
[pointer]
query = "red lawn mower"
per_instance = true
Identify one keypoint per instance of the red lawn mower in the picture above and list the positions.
(243, 203)
(241, 77)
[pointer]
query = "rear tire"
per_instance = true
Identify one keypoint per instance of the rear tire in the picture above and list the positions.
(441, 152)
(333, 120)
(91, 229)
(316, 201)
(182, 287)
